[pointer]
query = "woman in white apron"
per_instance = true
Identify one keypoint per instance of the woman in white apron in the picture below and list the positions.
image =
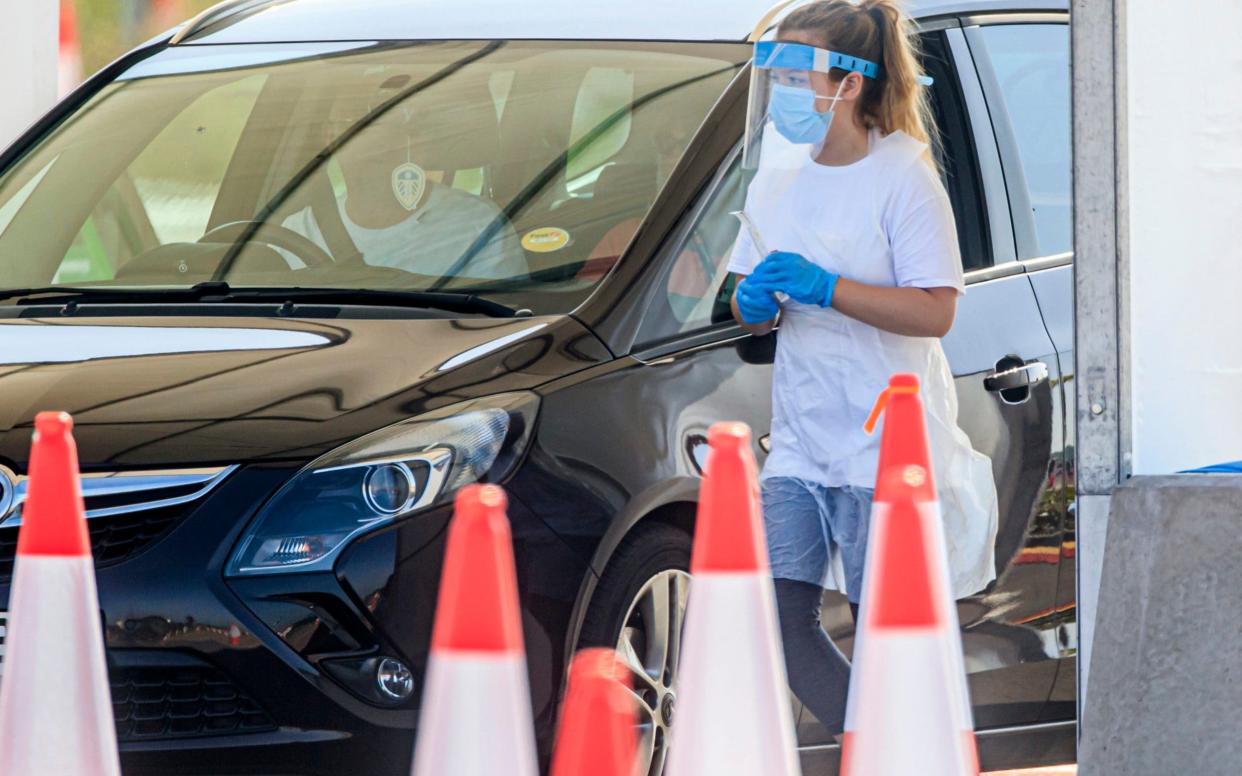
(865, 277)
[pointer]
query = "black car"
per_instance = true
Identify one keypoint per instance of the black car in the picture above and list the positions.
(302, 269)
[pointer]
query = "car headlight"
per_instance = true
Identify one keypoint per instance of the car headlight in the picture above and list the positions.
(406, 467)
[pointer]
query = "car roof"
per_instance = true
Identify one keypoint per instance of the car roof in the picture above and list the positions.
(261, 21)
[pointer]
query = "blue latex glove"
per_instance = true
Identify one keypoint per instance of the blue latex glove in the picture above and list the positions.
(756, 304)
(793, 274)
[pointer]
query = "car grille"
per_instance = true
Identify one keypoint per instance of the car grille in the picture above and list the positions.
(113, 539)
(175, 696)
(126, 512)
(154, 696)
(8, 552)
(151, 703)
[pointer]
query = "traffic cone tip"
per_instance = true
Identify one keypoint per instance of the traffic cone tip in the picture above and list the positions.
(478, 609)
(728, 435)
(48, 424)
(728, 535)
(903, 445)
(597, 662)
(53, 521)
(596, 734)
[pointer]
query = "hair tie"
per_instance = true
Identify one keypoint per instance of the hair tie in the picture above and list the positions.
(877, 13)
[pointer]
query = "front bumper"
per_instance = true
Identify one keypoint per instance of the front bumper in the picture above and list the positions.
(279, 753)
(268, 675)
(201, 685)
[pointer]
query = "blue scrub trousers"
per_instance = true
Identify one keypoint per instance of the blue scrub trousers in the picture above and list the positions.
(802, 521)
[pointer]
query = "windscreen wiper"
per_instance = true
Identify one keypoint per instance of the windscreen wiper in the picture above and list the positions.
(437, 300)
(218, 291)
(52, 295)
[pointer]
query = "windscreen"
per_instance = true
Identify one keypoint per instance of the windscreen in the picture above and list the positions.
(518, 170)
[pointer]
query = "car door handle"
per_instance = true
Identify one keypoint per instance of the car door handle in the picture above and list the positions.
(1024, 375)
(1014, 378)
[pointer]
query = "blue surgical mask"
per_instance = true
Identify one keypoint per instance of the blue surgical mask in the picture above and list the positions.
(792, 109)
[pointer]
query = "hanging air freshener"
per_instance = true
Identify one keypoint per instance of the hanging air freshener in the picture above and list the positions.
(409, 181)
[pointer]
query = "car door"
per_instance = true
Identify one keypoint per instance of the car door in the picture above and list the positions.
(1002, 357)
(688, 327)
(1004, 365)
(689, 342)
(1023, 64)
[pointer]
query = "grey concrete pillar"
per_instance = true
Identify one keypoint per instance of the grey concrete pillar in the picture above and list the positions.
(1166, 669)
(1097, 48)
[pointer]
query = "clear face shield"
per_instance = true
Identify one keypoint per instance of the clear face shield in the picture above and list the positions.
(786, 120)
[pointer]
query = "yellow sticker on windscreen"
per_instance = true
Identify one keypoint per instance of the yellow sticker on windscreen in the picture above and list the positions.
(545, 239)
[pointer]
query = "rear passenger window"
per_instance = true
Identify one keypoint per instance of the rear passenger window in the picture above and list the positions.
(955, 155)
(1031, 62)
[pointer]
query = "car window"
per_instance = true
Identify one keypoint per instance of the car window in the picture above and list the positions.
(955, 154)
(167, 193)
(1031, 62)
(9, 209)
(695, 287)
(517, 170)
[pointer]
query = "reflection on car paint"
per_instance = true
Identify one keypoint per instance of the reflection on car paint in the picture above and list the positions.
(47, 344)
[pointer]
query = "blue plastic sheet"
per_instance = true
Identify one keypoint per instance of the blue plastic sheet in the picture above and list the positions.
(1220, 468)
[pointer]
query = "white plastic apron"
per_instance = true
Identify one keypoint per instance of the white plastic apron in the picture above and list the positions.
(830, 368)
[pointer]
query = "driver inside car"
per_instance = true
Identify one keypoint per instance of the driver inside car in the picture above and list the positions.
(394, 207)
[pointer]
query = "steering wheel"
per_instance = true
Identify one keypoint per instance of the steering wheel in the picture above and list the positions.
(274, 235)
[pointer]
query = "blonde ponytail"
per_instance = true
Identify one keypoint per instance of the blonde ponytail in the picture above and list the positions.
(879, 31)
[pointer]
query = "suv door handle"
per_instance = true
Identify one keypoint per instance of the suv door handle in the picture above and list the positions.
(1024, 376)
(1014, 378)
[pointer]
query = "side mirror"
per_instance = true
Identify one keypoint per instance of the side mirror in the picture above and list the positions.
(757, 350)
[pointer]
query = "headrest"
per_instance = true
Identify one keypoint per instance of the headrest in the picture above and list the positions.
(455, 125)
(626, 185)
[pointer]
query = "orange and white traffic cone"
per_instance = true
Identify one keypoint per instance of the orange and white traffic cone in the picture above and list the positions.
(733, 713)
(55, 706)
(476, 707)
(597, 732)
(69, 59)
(909, 708)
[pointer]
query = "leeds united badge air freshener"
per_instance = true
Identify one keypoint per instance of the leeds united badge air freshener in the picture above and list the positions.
(409, 181)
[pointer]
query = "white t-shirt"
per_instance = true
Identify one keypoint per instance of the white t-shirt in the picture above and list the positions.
(885, 221)
(892, 188)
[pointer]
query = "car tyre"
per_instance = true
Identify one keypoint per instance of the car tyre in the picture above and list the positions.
(638, 609)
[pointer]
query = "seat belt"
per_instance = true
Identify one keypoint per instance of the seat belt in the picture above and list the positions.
(327, 215)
